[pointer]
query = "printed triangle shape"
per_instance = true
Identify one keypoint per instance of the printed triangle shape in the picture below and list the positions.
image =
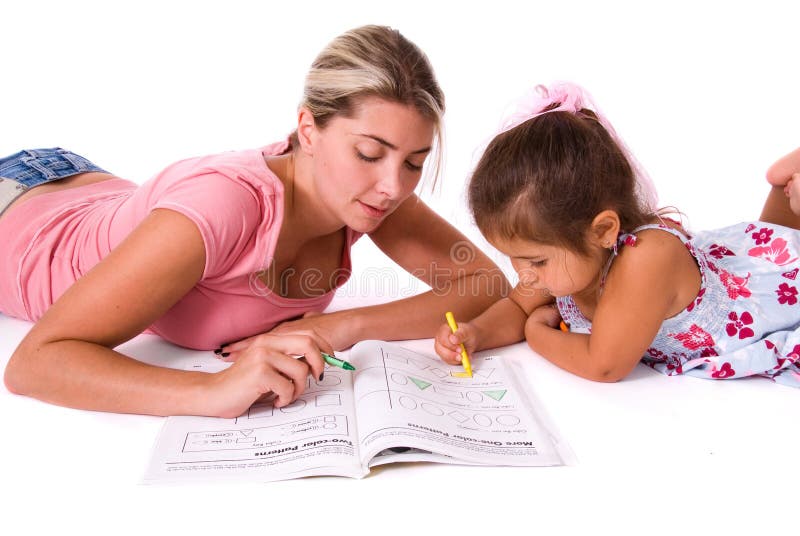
(420, 383)
(497, 395)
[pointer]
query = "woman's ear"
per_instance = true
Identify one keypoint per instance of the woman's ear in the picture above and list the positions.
(306, 130)
(605, 229)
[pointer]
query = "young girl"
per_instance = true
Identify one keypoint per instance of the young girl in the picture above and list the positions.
(225, 247)
(559, 194)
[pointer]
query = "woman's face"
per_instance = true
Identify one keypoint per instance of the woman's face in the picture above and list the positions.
(364, 166)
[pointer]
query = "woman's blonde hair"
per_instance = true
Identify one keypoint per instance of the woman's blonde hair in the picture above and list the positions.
(374, 61)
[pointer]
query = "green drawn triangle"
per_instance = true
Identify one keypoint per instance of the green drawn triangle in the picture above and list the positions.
(497, 395)
(419, 383)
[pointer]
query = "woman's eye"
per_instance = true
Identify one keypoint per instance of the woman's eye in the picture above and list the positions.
(366, 158)
(413, 167)
(538, 264)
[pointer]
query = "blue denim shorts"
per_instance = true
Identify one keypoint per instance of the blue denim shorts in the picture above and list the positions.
(32, 167)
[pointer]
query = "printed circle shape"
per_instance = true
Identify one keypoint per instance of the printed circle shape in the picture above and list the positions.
(474, 396)
(399, 379)
(508, 420)
(482, 420)
(408, 402)
(297, 405)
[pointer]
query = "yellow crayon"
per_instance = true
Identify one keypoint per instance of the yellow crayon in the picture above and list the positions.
(451, 321)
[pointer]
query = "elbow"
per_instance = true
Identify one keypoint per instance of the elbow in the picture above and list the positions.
(18, 376)
(12, 377)
(605, 375)
(607, 371)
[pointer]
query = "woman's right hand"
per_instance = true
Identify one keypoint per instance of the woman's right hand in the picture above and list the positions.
(267, 366)
(448, 344)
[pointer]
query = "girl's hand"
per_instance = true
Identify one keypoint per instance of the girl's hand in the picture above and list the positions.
(447, 344)
(265, 366)
(545, 314)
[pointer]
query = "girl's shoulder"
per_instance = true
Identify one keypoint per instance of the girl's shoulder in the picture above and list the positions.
(659, 256)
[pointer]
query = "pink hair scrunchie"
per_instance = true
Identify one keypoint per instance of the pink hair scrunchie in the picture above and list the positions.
(571, 98)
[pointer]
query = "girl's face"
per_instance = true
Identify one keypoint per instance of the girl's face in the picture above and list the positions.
(366, 165)
(553, 269)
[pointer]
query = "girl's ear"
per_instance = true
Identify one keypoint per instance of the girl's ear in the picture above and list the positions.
(306, 130)
(605, 229)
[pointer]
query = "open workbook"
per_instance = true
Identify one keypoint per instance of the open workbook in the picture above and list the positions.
(397, 406)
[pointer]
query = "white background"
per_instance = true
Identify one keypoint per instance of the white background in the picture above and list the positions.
(704, 93)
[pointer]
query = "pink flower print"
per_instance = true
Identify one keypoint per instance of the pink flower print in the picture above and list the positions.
(697, 300)
(762, 236)
(739, 325)
(786, 295)
(777, 252)
(656, 354)
(749, 228)
(793, 356)
(735, 285)
(630, 240)
(718, 251)
(790, 275)
(708, 352)
(712, 267)
(725, 372)
(674, 364)
(770, 345)
(695, 338)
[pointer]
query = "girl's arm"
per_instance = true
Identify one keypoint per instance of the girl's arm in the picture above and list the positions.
(68, 359)
(647, 283)
(462, 279)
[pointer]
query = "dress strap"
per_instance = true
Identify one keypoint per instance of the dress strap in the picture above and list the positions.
(630, 239)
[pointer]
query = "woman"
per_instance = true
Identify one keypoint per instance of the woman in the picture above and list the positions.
(223, 247)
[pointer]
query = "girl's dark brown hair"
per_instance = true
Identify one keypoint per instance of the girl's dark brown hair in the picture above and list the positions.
(546, 179)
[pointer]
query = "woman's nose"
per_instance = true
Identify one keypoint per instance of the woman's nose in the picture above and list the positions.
(390, 183)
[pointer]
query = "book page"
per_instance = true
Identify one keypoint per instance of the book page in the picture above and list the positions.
(410, 399)
(314, 435)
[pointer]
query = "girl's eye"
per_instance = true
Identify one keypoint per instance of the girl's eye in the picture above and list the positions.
(538, 264)
(366, 158)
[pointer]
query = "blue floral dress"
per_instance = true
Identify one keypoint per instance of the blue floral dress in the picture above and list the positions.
(745, 320)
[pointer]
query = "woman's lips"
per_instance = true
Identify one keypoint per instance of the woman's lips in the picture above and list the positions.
(373, 212)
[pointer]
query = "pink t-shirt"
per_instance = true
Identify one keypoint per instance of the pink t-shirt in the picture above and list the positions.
(235, 200)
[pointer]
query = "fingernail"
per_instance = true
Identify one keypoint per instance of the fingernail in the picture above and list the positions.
(321, 375)
(225, 354)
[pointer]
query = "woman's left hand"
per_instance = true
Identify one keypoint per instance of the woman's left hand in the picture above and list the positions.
(325, 329)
